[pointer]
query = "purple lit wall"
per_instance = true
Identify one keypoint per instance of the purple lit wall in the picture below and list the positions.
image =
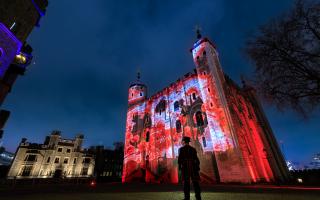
(9, 47)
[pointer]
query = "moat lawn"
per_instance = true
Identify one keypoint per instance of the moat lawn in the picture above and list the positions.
(163, 196)
(115, 191)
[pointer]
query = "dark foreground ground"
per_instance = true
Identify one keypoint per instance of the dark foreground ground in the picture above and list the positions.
(114, 191)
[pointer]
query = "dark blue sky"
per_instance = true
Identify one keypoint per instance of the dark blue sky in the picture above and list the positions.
(87, 53)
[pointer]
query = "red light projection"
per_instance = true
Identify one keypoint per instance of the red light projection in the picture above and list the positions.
(209, 108)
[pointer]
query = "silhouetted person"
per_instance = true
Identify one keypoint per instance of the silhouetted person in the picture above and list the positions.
(189, 165)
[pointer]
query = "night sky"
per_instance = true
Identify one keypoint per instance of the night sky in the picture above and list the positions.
(87, 54)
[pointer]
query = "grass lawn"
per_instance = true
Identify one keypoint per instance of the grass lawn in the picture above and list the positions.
(163, 196)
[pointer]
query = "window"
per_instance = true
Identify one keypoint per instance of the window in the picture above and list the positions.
(57, 160)
(204, 142)
(194, 96)
(147, 136)
(60, 149)
(13, 28)
(240, 108)
(178, 126)
(132, 94)
(176, 106)
(66, 160)
(31, 158)
(208, 89)
(26, 170)
(86, 160)
(84, 171)
(211, 104)
(161, 107)
(74, 160)
(199, 119)
(140, 94)
(48, 160)
(240, 122)
(68, 150)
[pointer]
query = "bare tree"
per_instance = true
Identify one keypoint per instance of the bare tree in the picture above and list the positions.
(286, 56)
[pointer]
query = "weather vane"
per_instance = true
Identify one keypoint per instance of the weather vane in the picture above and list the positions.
(138, 74)
(197, 29)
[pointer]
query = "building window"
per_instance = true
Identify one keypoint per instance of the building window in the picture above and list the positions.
(199, 119)
(68, 150)
(66, 160)
(176, 106)
(240, 122)
(48, 160)
(74, 160)
(31, 158)
(194, 96)
(211, 104)
(84, 171)
(13, 28)
(204, 142)
(86, 160)
(208, 89)
(26, 170)
(240, 108)
(147, 136)
(59, 149)
(140, 94)
(178, 126)
(57, 160)
(161, 107)
(132, 94)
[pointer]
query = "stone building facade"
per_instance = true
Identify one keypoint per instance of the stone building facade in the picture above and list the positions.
(225, 122)
(55, 158)
(109, 163)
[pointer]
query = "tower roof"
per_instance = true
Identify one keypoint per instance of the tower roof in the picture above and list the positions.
(200, 39)
(138, 81)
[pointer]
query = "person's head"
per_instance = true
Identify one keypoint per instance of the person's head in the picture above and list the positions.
(185, 140)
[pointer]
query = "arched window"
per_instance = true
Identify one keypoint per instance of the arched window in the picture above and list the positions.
(147, 136)
(204, 141)
(178, 126)
(176, 106)
(194, 96)
(199, 119)
(161, 106)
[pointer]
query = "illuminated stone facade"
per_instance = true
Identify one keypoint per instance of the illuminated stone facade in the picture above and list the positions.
(226, 124)
(57, 157)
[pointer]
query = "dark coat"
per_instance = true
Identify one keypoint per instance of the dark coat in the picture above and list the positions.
(189, 163)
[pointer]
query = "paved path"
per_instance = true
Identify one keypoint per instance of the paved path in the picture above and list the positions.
(115, 191)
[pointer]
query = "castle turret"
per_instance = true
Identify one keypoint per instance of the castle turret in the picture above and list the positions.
(137, 92)
(212, 83)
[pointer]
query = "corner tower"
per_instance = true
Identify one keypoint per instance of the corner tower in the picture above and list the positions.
(212, 84)
(137, 92)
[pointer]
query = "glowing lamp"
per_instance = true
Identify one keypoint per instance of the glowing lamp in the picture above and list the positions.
(300, 180)
(93, 183)
(21, 59)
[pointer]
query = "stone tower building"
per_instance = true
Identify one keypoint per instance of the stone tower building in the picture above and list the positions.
(226, 125)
